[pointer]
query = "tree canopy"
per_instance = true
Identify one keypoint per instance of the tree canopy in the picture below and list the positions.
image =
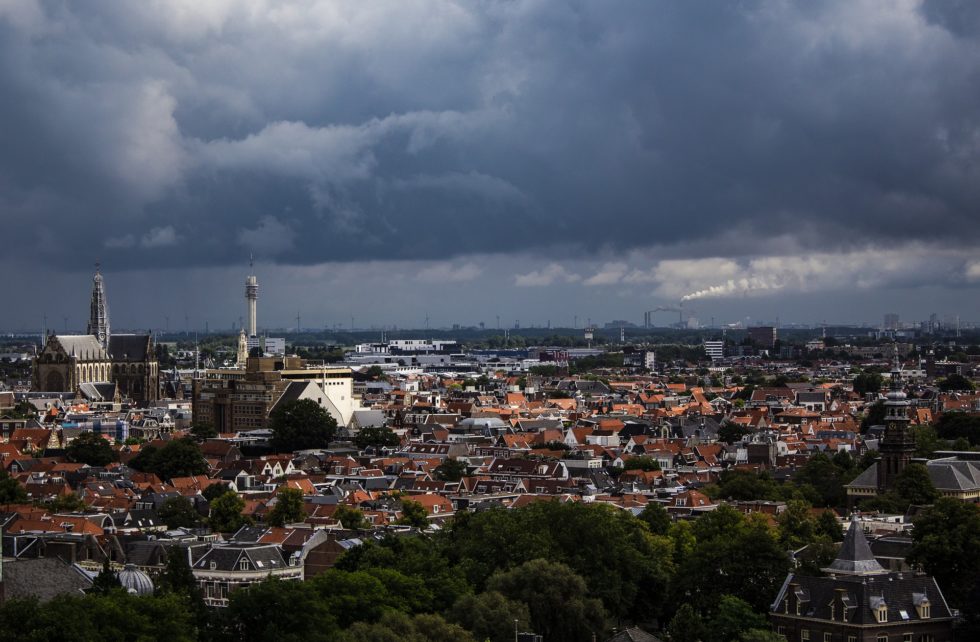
(301, 425)
(92, 449)
(177, 458)
(378, 437)
(288, 508)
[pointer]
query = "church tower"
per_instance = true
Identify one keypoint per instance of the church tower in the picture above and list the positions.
(98, 321)
(898, 444)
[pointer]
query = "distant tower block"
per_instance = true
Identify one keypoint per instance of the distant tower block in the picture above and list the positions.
(252, 296)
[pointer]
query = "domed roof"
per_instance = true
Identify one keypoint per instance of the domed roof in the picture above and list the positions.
(135, 580)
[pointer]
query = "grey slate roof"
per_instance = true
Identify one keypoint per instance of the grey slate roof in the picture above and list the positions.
(43, 578)
(900, 592)
(129, 347)
(261, 557)
(953, 474)
(867, 479)
(855, 556)
(84, 346)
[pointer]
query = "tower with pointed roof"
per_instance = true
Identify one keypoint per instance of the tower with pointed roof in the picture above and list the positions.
(858, 600)
(98, 320)
(898, 445)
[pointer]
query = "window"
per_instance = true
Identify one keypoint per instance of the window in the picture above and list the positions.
(243, 564)
(781, 630)
(805, 635)
(852, 638)
(882, 613)
(827, 637)
(907, 637)
(882, 637)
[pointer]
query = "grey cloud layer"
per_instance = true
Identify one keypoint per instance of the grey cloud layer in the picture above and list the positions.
(190, 133)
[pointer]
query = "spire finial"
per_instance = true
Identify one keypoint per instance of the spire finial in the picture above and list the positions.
(98, 266)
(251, 261)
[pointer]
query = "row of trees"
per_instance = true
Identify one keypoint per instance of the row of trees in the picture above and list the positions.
(566, 571)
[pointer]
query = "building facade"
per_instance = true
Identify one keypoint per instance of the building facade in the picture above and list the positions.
(860, 601)
(236, 399)
(67, 363)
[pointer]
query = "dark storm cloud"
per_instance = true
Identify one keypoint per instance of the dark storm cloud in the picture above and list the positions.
(165, 133)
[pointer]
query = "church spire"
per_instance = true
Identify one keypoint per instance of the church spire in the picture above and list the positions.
(855, 556)
(98, 321)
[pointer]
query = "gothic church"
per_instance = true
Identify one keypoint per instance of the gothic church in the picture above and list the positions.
(99, 366)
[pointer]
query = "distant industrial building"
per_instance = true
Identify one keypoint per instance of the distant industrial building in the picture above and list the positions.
(764, 336)
(715, 349)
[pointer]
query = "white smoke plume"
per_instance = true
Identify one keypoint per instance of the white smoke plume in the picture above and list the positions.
(736, 286)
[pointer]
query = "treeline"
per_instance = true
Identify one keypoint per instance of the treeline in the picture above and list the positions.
(565, 571)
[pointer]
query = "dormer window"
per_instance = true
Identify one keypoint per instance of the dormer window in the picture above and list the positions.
(243, 564)
(881, 613)
(213, 565)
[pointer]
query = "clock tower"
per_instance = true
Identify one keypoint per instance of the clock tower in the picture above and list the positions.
(898, 444)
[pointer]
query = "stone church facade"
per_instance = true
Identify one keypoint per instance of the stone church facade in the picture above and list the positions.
(99, 364)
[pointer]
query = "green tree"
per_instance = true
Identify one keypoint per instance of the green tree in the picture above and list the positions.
(874, 417)
(177, 458)
(177, 576)
(450, 470)
(202, 431)
(90, 448)
(301, 425)
(828, 526)
(399, 627)
(106, 580)
(744, 485)
(629, 573)
(214, 491)
(914, 485)
(377, 437)
(226, 513)
(414, 514)
(288, 508)
(956, 382)
(419, 557)
(734, 555)
(179, 512)
(69, 503)
(946, 542)
(731, 432)
(641, 463)
(557, 599)
(277, 610)
(656, 517)
(733, 618)
(954, 425)
(490, 616)
(867, 382)
(826, 479)
(351, 518)
(797, 527)
(927, 441)
(687, 625)
(11, 492)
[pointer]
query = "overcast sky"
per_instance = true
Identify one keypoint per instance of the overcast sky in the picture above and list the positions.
(536, 160)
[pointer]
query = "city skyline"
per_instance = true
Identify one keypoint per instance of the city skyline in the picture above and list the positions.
(811, 162)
